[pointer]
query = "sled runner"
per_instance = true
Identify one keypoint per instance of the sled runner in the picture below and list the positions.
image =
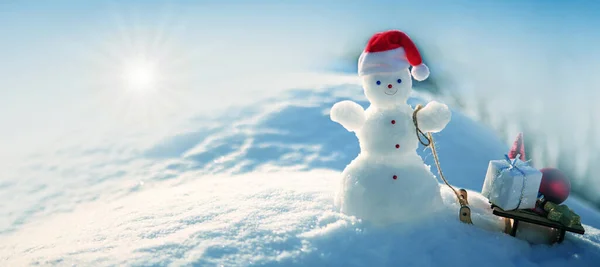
(534, 218)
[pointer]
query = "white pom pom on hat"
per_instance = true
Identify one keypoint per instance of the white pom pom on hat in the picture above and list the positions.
(391, 51)
(420, 72)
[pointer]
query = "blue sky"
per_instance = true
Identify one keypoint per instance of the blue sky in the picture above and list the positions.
(56, 55)
(317, 29)
(37, 25)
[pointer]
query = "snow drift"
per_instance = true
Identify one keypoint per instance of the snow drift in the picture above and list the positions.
(255, 190)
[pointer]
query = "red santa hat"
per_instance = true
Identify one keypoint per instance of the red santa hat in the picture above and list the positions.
(391, 51)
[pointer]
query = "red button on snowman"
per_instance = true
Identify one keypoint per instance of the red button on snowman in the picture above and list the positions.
(388, 181)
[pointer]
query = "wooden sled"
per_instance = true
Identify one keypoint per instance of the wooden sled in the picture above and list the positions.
(534, 218)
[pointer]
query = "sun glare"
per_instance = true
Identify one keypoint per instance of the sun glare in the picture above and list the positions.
(141, 76)
(139, 67)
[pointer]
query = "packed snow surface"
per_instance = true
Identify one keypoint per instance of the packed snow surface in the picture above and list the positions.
(255, 187)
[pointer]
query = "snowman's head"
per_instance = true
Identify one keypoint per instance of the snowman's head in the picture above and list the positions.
(388, 89)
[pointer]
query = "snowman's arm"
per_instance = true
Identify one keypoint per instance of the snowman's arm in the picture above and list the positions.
(433, 117)
(349, 114)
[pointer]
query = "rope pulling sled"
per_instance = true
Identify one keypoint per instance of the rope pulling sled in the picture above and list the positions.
(464, 213)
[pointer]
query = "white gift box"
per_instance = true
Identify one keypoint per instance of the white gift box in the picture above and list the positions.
(512, 184)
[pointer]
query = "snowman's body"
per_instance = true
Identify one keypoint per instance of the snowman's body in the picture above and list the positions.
(388, 181)
(388, 133)
(369, 192)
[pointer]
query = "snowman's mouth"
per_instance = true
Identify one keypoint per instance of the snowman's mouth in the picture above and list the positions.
(391, 91)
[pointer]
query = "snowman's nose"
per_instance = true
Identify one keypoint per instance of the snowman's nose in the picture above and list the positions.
(390, 85)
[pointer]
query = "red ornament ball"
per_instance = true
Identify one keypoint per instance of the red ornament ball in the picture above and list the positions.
(555, 185)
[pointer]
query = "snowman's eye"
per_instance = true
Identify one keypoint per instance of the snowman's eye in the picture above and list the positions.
(399, 81)
(378, 82)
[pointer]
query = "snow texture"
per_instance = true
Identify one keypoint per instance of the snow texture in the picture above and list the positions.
(254, 187)
(370, 192)
(433, 117)
(349, 114)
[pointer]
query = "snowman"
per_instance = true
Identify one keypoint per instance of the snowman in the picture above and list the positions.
(388, 182)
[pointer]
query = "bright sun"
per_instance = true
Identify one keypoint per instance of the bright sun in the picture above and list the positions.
(141, 75)
(140, 68)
